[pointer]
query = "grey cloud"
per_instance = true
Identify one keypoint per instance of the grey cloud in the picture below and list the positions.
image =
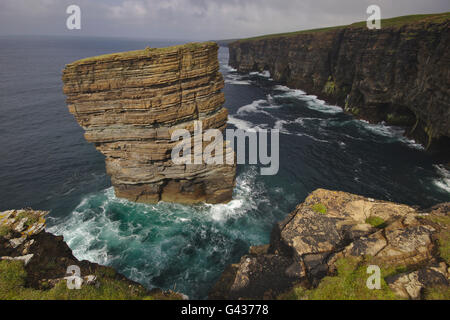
(196, 19)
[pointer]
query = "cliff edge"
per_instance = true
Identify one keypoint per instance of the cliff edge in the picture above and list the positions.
(323, 250)
(398, 74)
(129, 105)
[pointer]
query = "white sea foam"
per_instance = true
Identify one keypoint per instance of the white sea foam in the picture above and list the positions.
(279, 125)
(312, 101)
(264, 74)
(260, 106)
(243, 124)
(393, 132)
(255, 106)
(229, 68)
(443, 181)
(237, 80)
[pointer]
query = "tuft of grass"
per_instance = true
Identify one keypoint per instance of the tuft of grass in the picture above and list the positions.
(320, 208)
(376, 222)
(440, 292)
(443, 236)
(29, 215)
(5, 231)
(348, 284)
(330, 87)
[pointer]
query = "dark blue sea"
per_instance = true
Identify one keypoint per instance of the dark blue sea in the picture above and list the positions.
(45, 163)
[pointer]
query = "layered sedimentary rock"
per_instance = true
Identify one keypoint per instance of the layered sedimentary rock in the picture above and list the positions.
(330, 227)
(398, 74)
(130, 104)
(34, 265)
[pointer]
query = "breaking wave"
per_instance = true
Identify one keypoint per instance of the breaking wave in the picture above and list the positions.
(152, 244)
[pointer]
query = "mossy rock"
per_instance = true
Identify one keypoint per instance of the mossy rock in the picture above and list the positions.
(376, 222)
(319, 208)
(349, 283)
(330, 87)
(13, 278)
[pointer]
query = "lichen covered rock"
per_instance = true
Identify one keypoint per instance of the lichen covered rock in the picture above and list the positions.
(311, 244)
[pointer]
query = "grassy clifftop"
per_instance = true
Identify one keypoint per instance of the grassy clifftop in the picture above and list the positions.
(391, 22)
(147, 52)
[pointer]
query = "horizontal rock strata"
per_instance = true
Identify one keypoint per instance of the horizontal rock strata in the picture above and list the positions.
(129, 105)
(330, 225)
(398, 74)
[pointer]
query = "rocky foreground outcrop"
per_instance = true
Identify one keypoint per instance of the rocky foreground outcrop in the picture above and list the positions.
(34, 265)
(332, 235)
(130, 103)
(398, 74)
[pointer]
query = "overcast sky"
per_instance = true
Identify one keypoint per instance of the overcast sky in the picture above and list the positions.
(195, 19)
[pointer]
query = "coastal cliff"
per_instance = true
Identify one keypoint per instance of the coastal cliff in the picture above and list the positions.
(398, 74)
(323, 248)
(34, 265)
(130, 103)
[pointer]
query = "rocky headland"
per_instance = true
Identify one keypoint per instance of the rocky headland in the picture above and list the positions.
(130, 103)
(34, 265)
(398, 74)
(323, 248)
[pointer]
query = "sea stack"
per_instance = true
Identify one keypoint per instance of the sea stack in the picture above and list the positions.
(130, 103)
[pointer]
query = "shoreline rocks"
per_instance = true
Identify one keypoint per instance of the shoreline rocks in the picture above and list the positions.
(43, 261)
(331, 226)
(130, 103)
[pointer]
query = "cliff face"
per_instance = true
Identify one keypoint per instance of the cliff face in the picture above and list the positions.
(130, 103)
(322, 249)
(34, 265)
(399, 74)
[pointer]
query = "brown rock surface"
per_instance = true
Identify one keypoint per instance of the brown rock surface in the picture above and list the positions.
(130, 103)
(330, 225)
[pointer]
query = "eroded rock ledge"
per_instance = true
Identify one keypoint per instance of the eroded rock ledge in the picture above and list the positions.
(33, 265)
(130, 103)
(398, 74)
(331, 226)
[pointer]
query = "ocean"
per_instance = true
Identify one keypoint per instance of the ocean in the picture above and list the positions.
(46, 164)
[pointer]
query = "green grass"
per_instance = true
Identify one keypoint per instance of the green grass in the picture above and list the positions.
(320, 208)
(376, 222)
(443, 237)
(348, 284)
(385, 23)
(437, 293)
(4, 230)
(330, 87)
(13, 278)
(29, 215)
(138, 53)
